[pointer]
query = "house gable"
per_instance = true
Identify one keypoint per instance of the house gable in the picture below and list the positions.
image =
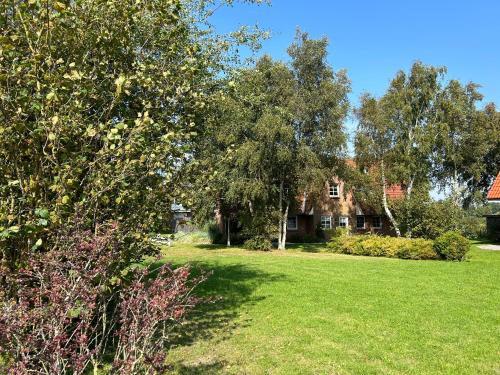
(494, 192)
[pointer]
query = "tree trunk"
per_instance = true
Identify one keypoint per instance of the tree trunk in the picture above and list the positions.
(280, 223)
(282, 241)
(384, 202)
(409, 190)
(455, 192)
(283, 231)
(228, 232)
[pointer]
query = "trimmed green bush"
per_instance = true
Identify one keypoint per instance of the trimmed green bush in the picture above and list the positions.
(258, 243)
(392, 247)
(452, 246)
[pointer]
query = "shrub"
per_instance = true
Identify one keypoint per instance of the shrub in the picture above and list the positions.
(214, 233)
(393, 247)
(339, 232)
(345, 244)
(66, 307)
(258, 243)
(452, 246)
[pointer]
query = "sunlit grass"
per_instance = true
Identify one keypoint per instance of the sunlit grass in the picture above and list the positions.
(304, 311)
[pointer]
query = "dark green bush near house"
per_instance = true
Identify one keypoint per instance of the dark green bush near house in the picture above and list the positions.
(452, 246)
(214, 233)
(258, 243)
(392, 247)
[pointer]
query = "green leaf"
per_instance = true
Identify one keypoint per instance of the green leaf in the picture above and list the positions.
(37, 244)
(42, 212)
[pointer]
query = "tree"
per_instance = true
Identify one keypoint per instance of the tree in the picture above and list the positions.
(462, 138)
(276, 133)
(403, 120)
(249, 146)
(100, 105)
(374, 153)
(483, 160)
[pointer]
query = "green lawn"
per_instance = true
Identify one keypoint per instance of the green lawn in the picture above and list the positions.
(304, 311)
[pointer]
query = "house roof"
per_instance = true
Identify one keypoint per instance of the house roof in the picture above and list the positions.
(394, 191)
(494, 193)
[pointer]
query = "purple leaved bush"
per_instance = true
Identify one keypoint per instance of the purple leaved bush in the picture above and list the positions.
(68, 306)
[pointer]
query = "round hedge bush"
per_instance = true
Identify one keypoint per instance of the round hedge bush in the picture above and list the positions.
(258, 243)
(452, 246)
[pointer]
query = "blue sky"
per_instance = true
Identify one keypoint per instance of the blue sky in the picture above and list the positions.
(375, 39)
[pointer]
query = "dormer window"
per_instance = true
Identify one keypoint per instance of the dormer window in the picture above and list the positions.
(334, 191)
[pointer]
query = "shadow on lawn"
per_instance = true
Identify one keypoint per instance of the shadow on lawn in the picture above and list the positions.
(305, 247)
(230, 286)
(308, 247)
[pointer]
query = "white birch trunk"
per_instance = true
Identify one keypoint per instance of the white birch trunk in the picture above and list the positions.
(228, 232)
(283, 230)
(456, 191)
(280, 223)
(409, 190)
(384, 202)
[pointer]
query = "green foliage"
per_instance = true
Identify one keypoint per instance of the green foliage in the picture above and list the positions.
(392, 247)
(429, 219)
(101, 103)
(275, 131)
(258, 243)
(426, 218)
(215, 234)
(339, 232)
(452, 246)
(423, 133)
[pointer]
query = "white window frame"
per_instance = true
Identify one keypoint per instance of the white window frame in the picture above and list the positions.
(380, 221)
(334, 190)
(345, 220)
(296, 223)
(364, 222)
(322, 219)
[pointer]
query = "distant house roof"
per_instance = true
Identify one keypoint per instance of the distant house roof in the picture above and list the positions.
(494, 193)
(395, 191)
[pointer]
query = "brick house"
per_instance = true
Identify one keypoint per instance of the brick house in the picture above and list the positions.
(337, 208)
(493, 221)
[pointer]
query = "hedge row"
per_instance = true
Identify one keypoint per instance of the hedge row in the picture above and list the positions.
(449, 246)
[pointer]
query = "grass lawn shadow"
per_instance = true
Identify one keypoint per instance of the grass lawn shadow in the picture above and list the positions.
(211, 367)
(308, 247)
(228, 287)
(210, 246)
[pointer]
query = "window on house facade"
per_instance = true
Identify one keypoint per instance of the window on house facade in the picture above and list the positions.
(326, 222)
(343, 221)
(291, 223)
(360, 222)
(377, 222)
(334, 191)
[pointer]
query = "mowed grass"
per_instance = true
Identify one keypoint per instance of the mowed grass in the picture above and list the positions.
(303, 311)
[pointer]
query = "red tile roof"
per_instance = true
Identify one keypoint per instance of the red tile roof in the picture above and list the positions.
(395, 191)
(494, 192)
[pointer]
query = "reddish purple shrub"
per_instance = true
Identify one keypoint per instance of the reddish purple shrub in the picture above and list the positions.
(146, 311)
(74, 302)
